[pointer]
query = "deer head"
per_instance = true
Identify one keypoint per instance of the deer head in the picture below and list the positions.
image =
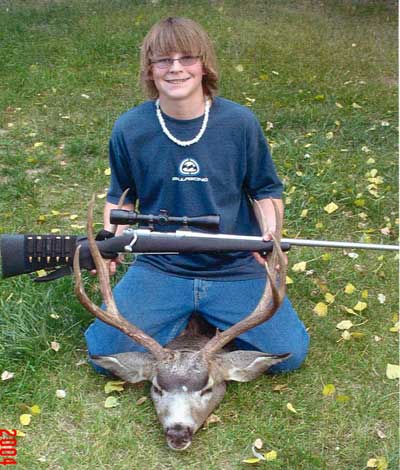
(188, 377)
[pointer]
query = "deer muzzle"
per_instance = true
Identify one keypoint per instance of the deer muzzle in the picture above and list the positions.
(179, 437)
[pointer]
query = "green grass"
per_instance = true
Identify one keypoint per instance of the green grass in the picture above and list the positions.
(300, 60)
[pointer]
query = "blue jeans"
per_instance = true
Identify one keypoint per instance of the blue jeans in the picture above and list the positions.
(161, 305)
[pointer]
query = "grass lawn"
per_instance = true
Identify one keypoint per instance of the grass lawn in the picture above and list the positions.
(321, 78)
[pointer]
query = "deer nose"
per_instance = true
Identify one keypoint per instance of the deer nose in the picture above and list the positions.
(179, 437)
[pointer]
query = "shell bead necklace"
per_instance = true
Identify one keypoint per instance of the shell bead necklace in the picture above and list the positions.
(184, 143)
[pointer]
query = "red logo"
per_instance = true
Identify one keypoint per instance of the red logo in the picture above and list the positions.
(8, 446)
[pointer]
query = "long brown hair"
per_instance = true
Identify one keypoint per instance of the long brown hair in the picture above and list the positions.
(177, 34)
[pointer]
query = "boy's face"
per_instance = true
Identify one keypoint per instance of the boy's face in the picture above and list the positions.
(177, 81)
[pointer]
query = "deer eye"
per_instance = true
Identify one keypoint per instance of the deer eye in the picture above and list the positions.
(157, 390)
(206, 391)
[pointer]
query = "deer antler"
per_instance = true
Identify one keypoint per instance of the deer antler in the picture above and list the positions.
(111, 315)
(270, 301)
(121, 203)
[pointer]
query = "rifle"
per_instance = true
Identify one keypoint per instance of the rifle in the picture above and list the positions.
(28, 253)
(23, 254)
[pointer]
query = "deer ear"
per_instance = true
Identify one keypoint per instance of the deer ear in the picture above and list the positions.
(243, 366)
(130, 366)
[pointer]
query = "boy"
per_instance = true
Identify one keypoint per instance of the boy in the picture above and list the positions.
(192, 153)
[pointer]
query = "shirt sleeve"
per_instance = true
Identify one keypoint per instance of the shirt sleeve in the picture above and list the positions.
(121, 171)
(261, 179)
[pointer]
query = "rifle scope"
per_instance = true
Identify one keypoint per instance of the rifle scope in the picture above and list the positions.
(124, 217)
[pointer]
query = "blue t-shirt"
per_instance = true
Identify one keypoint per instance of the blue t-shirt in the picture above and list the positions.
(230, 165)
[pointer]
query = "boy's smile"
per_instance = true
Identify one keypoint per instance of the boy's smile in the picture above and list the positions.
(177, 81)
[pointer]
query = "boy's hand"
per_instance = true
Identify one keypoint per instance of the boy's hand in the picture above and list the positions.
(261, 259)
(112, 266)
(111, 263)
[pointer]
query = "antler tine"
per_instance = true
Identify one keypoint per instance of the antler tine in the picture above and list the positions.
(265, 228)
(269, 303)
(276, 237)
(120, 205)
(111, 315)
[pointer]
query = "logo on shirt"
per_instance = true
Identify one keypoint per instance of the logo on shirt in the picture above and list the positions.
(189, 168)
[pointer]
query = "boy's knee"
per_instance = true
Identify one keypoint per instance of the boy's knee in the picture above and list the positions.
(296, 359)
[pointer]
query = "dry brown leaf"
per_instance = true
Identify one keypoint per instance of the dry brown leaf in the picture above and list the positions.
(212, 419)
(141, 400)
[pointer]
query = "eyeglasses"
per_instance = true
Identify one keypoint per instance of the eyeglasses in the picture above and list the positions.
(167, 62)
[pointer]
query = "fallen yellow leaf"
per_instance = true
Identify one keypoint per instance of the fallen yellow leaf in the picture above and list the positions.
(346, 335)
(364, 294)
(289, 280)
(350, 310)
(41, 273)
(360, 306)
(380, 463)
(393, 371)
(291, 408)
(349, 289)
(25, 419)
(299, 267)
(114, 386)
(18, 432)
(252, 460)
(329, 298)
(395, 328)
(357, 334)
(111, 402)
(271, 455)
(342, 398)
(35, 410)
(328, 390)
(331, 207)
(321, 309)
(107, 171)
(344, 325)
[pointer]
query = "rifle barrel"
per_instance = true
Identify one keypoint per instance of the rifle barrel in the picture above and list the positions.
(227, 241)
(333, 244)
